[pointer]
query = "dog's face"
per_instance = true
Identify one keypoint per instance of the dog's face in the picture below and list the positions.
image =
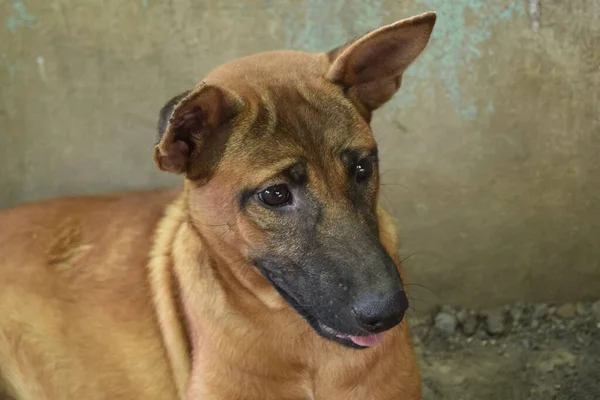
(278, 149)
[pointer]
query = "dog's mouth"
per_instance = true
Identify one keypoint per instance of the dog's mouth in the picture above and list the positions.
(361, 341)
(354, 341)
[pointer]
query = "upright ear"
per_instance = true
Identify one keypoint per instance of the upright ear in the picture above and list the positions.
(193, 130)
(371, 68)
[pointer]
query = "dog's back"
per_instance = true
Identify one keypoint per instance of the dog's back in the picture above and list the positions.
(73, 274)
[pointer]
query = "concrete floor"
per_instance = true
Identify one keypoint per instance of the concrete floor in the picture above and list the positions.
(554, 356)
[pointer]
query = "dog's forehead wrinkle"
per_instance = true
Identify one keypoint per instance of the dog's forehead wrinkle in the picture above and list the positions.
(307, 120)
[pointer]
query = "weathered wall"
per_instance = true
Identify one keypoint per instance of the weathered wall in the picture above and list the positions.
(491, 151)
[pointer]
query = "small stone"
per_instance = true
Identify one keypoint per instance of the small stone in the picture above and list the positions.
(462, 315)
(526, 316)
(495, 322)
(516, 314)
(540, 311)
(469, 326)
(581, 309)
(447, 309)
(566, 311)
(445, 323)
(596, 310)
(417, 340)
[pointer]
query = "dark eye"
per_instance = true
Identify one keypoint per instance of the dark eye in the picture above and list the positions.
(275, 196)
(363, 171)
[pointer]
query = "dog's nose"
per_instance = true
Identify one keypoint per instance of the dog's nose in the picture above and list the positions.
(377, 313)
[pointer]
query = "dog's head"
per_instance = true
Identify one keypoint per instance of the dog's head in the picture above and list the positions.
(282, 171)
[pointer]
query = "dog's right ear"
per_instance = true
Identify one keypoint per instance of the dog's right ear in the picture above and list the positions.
(193, 130)
(370, 69)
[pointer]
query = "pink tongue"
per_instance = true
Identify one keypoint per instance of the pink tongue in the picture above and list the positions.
(367, 341)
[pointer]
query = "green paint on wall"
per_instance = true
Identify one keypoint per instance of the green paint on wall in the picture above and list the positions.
(321, 26)
(8, 65)
(20, 17)
(455, 45)
(367, 15)
(316, 25)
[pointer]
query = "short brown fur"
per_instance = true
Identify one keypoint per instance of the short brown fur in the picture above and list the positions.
(153, 295)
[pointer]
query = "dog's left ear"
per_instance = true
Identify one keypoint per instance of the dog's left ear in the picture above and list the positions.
(371, 68)
(193, 129)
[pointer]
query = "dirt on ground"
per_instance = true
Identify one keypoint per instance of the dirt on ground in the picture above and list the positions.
(523, 351)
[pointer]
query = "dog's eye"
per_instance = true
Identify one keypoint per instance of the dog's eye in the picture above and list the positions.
(363, 171)
(275, 196)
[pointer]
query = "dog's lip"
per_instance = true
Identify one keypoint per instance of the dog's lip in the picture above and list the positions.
(360, 340)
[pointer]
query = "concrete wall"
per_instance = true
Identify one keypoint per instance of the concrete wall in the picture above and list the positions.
(491, 151)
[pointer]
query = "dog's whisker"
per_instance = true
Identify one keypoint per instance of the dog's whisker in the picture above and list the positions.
(412, 309)
(438, 299)
(294, 322)
(235, 261)
(227, 231)
(407, 257)
(389, 203)
(388, 170)
(306, 331)
(385, 184)
(421, 286)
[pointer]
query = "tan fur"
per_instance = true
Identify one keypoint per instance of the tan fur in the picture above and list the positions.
(148, 296)
(76, 315)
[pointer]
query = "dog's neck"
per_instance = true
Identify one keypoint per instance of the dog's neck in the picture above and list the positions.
(243, 325)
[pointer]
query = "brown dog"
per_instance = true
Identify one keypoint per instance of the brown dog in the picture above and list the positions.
(271, 275)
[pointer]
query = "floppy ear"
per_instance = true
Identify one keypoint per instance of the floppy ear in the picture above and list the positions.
(370, 68)
(193, 130)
